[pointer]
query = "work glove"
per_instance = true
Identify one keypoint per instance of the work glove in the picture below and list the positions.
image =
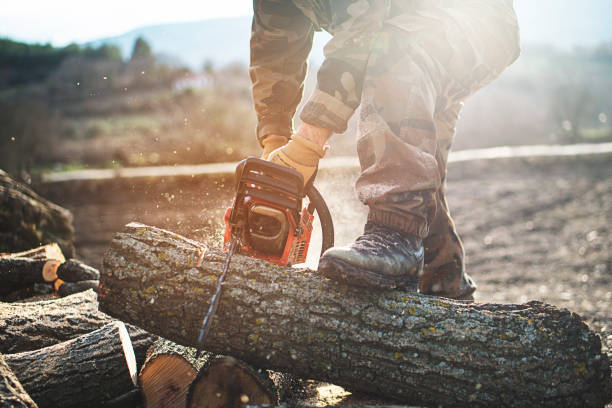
(299, 154)
(272, 142)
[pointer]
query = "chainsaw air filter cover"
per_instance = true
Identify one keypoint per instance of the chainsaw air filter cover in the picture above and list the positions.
(268, 229)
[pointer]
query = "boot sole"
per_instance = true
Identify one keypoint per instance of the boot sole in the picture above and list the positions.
(343, 271)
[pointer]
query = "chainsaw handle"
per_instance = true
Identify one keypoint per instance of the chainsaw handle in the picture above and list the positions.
(317, 203)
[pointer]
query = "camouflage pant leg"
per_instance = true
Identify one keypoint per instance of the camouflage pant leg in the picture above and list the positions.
(423, 63)
(444, 272)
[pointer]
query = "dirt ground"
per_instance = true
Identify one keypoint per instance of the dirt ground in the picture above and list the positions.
(534, 229)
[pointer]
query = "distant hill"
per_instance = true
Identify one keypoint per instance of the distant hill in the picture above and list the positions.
(222, 41)
(564, 24)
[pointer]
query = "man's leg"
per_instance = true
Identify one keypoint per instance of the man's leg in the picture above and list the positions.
(422, 63)
(400, 175)
(444, 271)
(489, 44)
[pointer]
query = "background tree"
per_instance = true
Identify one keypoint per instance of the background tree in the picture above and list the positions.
(141, 49)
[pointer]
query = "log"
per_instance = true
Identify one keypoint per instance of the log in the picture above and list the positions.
(167, 372)
(27, 219)
(75, 271)
(12, 393)
(171, 371)
(86, 371)
(289, 388)
(226, 382)
(70, 288)
(29, 273)
(34, 325)
(49, 251)
(414, 348)
(19, 273)
(130, 399)
(36, 292)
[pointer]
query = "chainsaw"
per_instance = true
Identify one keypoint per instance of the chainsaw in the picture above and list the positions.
(268, 220)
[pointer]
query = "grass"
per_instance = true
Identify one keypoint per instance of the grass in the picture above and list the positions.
(597, 135)
(115, 125)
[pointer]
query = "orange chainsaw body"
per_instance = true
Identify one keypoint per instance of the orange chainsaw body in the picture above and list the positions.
(267, 215)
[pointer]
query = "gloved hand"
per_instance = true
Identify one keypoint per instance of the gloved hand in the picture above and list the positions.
(299, 154)
(272, 142)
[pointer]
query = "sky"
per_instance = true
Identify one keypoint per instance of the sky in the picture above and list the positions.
(564, 23)
(63, 21)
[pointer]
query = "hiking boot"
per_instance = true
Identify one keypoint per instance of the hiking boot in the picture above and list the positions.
(382, 257)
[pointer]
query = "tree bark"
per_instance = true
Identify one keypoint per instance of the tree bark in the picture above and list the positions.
(417, 349)
(131, 399)
(12, 394)
(70, 288)
(86, 371)
(75, 271)
(27, 219)
(34, 325)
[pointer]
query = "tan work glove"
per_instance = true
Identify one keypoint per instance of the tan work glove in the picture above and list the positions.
(272, 142)
(299, 154)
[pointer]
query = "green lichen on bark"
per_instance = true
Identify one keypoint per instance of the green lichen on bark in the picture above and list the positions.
(415, 348)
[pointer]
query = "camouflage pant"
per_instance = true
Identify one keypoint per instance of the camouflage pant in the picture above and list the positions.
(425, 62)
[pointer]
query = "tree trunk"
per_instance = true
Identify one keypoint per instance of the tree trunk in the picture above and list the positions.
(18, 273)
(34, 325)
(70, 288)
(86, 371)
(49, 251)
(27, 219)
(75, 271)
(417, 349)
(167, 372)
(44, 265)
(131, 399)
(12, 394)
(226, 382)
(171, 371)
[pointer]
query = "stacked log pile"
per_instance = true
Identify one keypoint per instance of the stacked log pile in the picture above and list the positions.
(27, 220)
(64, 352)
(58, 350)
(42, 270)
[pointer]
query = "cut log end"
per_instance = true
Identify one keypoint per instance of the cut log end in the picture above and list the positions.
(164, 381)
(227, 383)
(49, 270)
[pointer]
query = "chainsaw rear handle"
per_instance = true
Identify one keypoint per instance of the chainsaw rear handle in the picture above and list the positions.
(318, 204)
